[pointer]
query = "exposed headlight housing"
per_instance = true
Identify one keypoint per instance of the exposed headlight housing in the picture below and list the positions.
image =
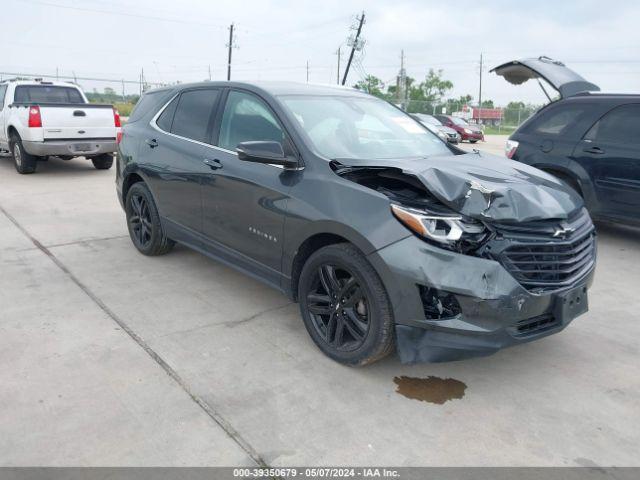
(451, 231)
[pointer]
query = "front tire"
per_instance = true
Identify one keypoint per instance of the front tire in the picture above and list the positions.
(345, 307)
(103, 162)
(24, 162)
(143, 222)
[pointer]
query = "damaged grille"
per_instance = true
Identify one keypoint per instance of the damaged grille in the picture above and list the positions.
(548, 256)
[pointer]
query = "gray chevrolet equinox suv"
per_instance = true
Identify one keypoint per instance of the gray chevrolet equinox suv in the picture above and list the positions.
(386, 236)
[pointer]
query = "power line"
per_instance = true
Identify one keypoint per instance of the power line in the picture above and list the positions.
(76, 78)
(122, 14)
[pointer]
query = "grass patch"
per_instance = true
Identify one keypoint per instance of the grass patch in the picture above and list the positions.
(499, 130)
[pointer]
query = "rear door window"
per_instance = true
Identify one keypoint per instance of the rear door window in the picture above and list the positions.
(621, 125)
(47, 94)
(194, 113)
(558, 120)
(3, 91)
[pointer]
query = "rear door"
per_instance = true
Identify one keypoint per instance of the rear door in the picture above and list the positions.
(610, 153)
(244, 203)
(172, 156)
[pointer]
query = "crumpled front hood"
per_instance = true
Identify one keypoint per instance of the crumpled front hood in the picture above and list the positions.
(488, 187)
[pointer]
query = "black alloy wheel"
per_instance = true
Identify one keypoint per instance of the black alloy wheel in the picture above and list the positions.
(338, 308)
(143, 222)
(345, 306)
(140, 221)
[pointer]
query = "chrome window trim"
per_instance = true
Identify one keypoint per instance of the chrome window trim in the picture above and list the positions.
(153, 123)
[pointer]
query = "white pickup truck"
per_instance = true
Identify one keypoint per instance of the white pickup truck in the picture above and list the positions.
(40, 119)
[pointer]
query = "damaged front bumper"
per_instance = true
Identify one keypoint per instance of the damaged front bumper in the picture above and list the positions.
(483, 308)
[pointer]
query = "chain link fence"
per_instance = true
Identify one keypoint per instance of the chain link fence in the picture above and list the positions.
(496, 120)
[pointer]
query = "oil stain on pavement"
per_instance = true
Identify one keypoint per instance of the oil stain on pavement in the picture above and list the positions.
(430, 389)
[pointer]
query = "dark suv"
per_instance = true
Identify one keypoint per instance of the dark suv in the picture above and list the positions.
(386, 235)
(588, 139)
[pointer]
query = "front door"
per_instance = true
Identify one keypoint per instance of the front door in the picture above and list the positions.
(244, 204)
(610, 153)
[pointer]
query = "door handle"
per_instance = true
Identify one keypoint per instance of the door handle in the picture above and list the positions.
(214, 164)
(594, 150)
(152, 142)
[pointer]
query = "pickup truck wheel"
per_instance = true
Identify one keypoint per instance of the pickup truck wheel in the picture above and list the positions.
(103, 162)
(24, 162)
(345, 307)
(143, 222)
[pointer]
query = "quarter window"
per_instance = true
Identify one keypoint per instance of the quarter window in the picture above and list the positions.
(557, 121)
(621, 125)
(247, 118)
(165, 120)
(193, 114)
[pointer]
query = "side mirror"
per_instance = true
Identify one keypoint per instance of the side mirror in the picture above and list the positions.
(265, 152)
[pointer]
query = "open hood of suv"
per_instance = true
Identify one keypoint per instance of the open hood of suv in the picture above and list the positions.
(564, 80)
(486, 187)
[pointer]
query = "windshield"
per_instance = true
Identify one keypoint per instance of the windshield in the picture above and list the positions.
(361, 127)
(429, 119)
(459, 121)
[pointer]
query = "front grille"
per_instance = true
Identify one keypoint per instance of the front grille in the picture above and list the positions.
(540, 261)
(533, 325)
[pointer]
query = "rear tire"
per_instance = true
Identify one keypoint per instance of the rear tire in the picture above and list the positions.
(24, 162)
(345, 307)
(143, 222)
(103, 162)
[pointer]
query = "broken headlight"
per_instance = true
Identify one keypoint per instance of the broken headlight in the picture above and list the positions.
(448, 230)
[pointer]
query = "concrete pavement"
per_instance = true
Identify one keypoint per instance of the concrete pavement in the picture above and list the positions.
(108, 357)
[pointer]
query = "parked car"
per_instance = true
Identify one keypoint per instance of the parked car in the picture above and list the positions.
(433, 124)
(384, 234)
(588, 139)
(39, 119)
(467, 131)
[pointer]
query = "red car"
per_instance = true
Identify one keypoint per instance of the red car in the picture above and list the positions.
(467, 131)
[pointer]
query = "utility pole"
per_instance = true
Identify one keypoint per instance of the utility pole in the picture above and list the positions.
(230, 45)
(123, 99)
(338, 76)
(209, 72)
(402, 81)
(307, 71)
(57, 78)
(355, 45)
(480, 93)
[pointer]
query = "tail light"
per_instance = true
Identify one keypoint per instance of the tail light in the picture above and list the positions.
(510, 148)
(35, 120)
(119, 137)
(116, 117)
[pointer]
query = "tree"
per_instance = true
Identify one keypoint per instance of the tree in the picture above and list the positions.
(487, 104)
(432, 89)
(372, 85)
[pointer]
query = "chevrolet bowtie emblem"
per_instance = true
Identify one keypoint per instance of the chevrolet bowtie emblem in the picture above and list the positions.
(562, 231)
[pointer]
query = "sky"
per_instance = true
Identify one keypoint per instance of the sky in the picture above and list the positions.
(180, 41)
